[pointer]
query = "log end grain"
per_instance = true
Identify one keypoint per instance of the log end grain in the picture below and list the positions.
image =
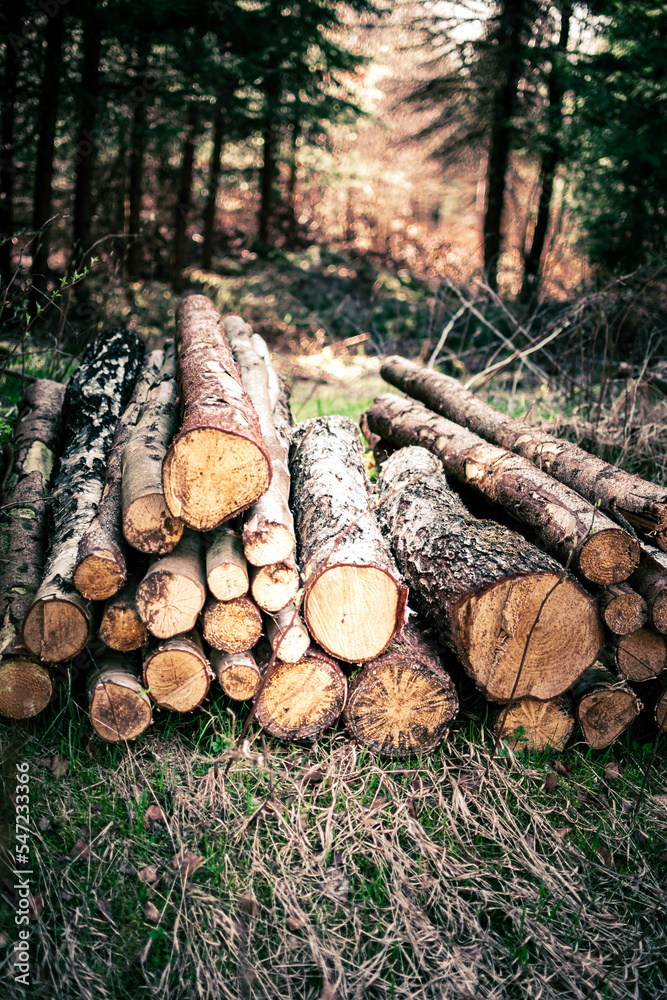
(98, 577)
(625, 611)
(177, 675)
(232, 626)
(119, 708)
(274, 587)
(238, 674)
(353, 612)
(609, 556)
(533, 725)
(605, 705)
(299, 700)
(168, 603)
(55, 630)
(642, 655)
(267, 543)
(659, 612)
(25, 688)
(210, 476)
(122, 629)
(149, 525)
(288, 635)
(227, 582)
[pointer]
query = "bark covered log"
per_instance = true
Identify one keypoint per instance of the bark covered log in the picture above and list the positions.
(238, 674)
(642, 503)
(177, 674)
(268, 534)
(300, 700)
(642, 655)
(623, 610)
(57, 625)
(354, 602)
(118, 706)
(148, 524)
(101, 568)
(529, 724)
(650, 580)
(503, 604)
(232, 626)
(274, 587)
(121, 627)
(605, 705)
(226, 565)
(173, 591)
(287, 634)
(218, 464)
(566, 523)
(404, 701)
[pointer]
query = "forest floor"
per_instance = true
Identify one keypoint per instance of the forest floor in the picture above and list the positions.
(189, 866)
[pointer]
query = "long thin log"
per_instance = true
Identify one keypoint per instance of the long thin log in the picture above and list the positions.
(226, 565)
(121, 627)
(520, 624)
(58, 623)
(565, 522)
(101, 569)
(118, 706)
(354, 602)
(623, 610)
(148, 524)
(650, 580)
(404, 701)
(287, 634)
(173, 591)
(274, 587)
(535, 725)
(644, 504)
(218, 464)
(605, 705)
(238, 673)
(300, 700)
(232, 626)
(268, 534)
(177, 673)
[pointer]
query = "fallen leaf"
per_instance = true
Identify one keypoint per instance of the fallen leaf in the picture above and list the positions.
(249, 905)
(59, 766)
(44, 824)
(151, 912)
(35, 905)
(186, 862)
(551, 782)
(80, 851)
(126, 868)
(43, 762)
(612, 772)
(154, 814)
(296, 923)
(137, 792)
(148, 875)
(411, 809)
(562, 831)
(605, 855)
(104, 906)
(560, 768)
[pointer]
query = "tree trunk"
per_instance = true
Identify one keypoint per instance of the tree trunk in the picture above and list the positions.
(226, 566)
(238, 674)
(536, 726)
(173, 591)
(121, 627)
(268, 170)
(268, 534)
(87, 142)
(650, 580)
(101, 569)
(642, 655)
(521, 626)
(47, 120)
(354, 602)
(213, 186)
(177, 673)
(404, 701)
(232, 626)
(58, 622)
(274, 587)
(137, 154)
(184, 207)
(300, 700)
(605, 706)
(217, 465)
(644, 504)
(568, 526)
(623, 610)
(148, 524)
(287, 634)
(11, 69)
(118, 707)
(551, 159)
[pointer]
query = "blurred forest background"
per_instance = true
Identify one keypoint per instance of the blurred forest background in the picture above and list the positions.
(509, 152)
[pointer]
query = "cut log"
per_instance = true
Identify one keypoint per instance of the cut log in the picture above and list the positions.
(300, 700)
(58, 623)
(404, 701)
(226, 566)
(268, 534)
(623, 610)
(642, 503)
(654, 697)
(173, 591)
(238, 674)
(27, 480)
(605, 705)
(501, 603)
(148, 524)
(232, 626)
(641, 655)
(25, 687)
(532, 725)
(650, 580)
(567, 524)
(218, 464)
(274, 587)
(354, 602)
(121, 627)
(177, 673)
(101, 569)
(287, 634)
(118, 706)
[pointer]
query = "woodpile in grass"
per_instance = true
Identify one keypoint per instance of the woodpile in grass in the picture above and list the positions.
(204, 539)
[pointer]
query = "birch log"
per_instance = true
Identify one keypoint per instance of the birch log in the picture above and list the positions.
(118, 706)
(121, 627)
(642, 503)
(274, 587)
(287, 634)
(226, 565)
(520, 624)
(354, 602)
(218, 464)
(172, 593)
(238, 674)
(58, 623)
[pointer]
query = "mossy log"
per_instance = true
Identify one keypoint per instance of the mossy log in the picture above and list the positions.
(232, 626)
(623, 610)
(300, 700)
(568, 525)
(605, 705)
(58, 623)
(521, 625)
(287, 634)
(404, 701)
(532, 725)
(218, 464)
(354, 601)
(226, 565)
(173, 591)
(238, 674)
(177, 673)
(119, 708)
